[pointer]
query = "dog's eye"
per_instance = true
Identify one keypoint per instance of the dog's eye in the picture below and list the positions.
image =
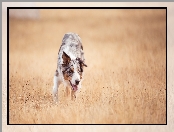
(64, 65)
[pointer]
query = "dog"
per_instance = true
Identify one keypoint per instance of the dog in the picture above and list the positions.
(70, 64)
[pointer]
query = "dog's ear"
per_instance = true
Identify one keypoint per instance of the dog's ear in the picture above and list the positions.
(66, 58)
(82, 63)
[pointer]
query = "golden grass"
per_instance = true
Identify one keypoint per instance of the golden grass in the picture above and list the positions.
(124, 83)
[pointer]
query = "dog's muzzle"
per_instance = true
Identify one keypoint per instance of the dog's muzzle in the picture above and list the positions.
(74, 87)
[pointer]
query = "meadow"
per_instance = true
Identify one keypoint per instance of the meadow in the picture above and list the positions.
(124, 83)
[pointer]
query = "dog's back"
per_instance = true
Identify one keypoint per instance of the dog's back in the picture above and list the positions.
(72, 45)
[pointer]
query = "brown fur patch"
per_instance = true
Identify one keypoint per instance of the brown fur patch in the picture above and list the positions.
(66, 58)
(66, 76)
(72, 68)
(66, 73)
(81, 75)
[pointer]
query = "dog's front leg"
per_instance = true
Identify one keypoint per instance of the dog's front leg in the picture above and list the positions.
(55, 87)
(73, 95)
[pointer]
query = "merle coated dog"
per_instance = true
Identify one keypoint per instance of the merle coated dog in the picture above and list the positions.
(70, 65)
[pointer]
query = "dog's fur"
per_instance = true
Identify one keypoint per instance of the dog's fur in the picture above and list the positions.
(69, 65)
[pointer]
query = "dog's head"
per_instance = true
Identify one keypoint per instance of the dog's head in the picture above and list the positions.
(72, 70)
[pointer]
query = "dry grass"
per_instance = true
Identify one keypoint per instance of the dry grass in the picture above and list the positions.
(125, 81)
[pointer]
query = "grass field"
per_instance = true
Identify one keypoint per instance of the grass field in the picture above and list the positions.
(124, 83)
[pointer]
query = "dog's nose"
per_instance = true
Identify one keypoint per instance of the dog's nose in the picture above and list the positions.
(77, 82)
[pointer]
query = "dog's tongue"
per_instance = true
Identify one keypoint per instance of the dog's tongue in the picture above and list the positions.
(74, 87)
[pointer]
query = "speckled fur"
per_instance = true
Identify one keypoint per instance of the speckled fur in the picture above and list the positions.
(72, 46)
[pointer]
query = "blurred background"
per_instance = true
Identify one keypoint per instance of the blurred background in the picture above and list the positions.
(111, 33)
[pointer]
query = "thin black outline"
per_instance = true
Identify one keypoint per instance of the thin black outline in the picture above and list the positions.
(166, 65)
(76, 8)
(86, 8)
(7, 66)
